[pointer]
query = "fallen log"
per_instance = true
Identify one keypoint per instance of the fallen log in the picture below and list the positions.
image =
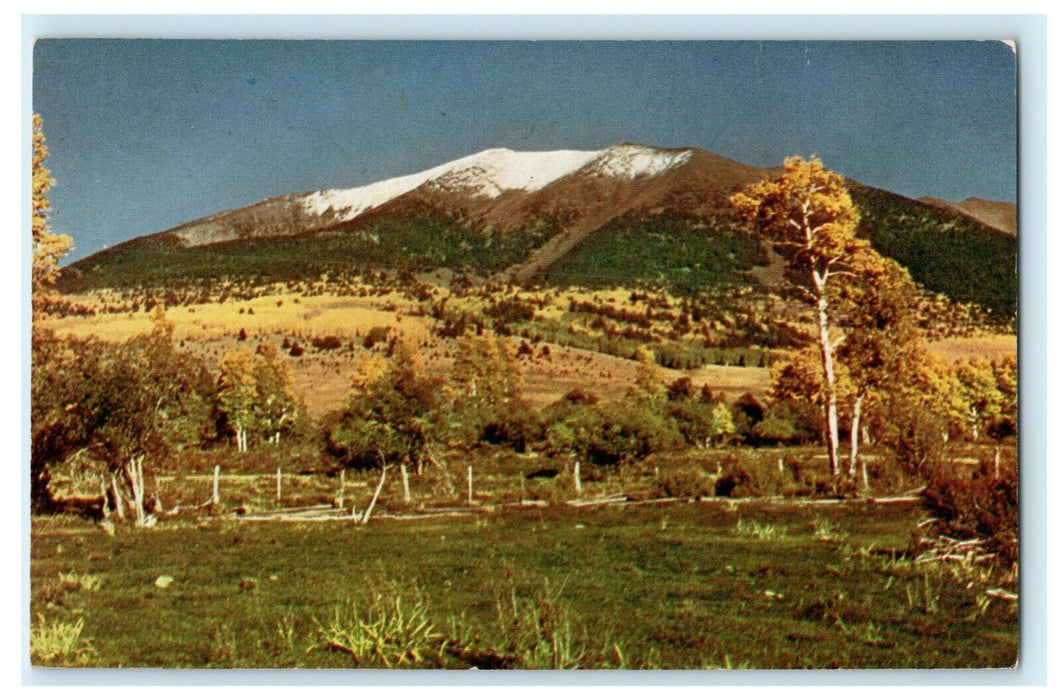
(1001, 594)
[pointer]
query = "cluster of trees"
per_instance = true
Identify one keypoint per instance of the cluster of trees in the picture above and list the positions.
(117, 406)
(869, 360)
(399, 415)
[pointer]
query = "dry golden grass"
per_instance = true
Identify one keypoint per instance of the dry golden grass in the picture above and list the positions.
(313, 316)
(990, 347)
(323, 378)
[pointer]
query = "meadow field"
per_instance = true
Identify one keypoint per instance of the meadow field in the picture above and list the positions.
(710, 584)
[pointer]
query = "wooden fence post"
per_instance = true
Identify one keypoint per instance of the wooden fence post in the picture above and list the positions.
(216, 498)
(405, 483)
(469, 484)
(278, 486)
(342, 488)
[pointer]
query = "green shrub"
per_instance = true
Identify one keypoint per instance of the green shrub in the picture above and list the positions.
(386, 632)
(684, 482)
(915, 435)
(748, 474)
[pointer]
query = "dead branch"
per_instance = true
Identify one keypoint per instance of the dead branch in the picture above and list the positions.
(379, 487)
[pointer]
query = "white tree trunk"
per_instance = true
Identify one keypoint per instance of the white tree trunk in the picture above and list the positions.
(216, 497)
(279, 485)
(578, 478)
(119, 507)
(405, 482)
(832, 426)
(470, 495)
(856, 417)
(134, 473)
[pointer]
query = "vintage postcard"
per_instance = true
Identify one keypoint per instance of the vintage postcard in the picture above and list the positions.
(524, 355)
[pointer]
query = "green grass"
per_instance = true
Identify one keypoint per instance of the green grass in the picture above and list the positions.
(675, 586)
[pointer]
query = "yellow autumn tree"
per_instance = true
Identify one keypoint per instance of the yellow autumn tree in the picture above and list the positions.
(256, 394)
(48, 248)
(807, 216)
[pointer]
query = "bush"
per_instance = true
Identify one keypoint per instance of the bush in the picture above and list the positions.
(684, 482)
(746, 475)
(977, 506)
(773, 430)
(376, 335)
(328, 342)
(915, 435)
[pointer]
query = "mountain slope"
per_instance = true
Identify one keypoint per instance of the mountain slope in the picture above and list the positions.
(997, 215)
(623, 214)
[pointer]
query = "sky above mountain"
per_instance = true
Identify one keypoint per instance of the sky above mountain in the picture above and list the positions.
(146, 135)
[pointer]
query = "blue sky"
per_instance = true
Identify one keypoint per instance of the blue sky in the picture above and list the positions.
(146, 135)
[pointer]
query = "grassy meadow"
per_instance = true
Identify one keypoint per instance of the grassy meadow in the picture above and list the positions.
(675, 585)
(650, 563)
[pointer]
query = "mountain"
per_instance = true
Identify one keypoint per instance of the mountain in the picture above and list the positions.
(997, 215)
(619, 215)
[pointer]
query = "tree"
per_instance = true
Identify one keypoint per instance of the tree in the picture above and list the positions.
(808, 217)
(882, 346)
(256, 393)
(237, 392)
(979, 388)
(66, 376)
(151, 400)
(48, 248)
(486, 386)
(392, 412)
(722, 425)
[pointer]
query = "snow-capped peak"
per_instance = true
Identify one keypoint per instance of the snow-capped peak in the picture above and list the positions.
(485, 174)
(494, 171)
(629, 161)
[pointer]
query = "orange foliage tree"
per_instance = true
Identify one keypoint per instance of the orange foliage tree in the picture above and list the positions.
(48, 248)
(807, 216)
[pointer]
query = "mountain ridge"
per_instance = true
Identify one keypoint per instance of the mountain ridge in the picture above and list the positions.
(509, 215)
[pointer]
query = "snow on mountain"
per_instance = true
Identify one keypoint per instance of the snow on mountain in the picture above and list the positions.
(629, 161)
(492, 172)
(485, 174)
(495, 171)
